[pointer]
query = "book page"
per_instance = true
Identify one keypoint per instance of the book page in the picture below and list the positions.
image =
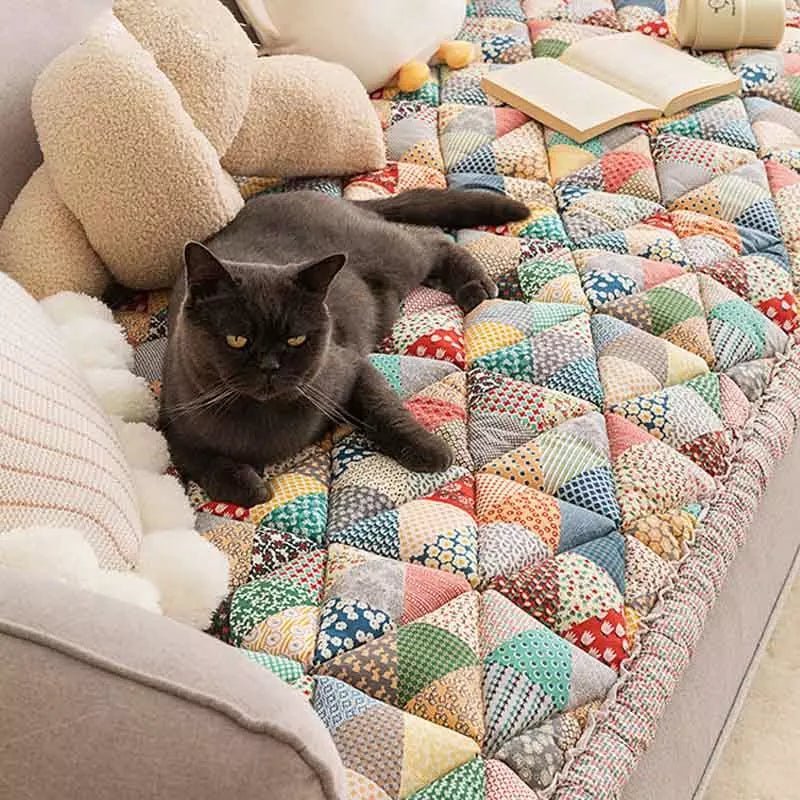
(564, 98)
(650, 70)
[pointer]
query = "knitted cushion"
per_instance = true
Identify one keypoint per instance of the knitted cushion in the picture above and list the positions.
(61, 464)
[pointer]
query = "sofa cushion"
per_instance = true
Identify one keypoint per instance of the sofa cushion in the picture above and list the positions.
(61, 464)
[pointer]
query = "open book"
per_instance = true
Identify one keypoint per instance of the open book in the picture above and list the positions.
(606, 81)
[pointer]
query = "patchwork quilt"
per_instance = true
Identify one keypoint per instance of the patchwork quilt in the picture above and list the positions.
(511, 629)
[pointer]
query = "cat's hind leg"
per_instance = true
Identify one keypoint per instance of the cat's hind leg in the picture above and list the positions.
(463, 276)
(392, 427)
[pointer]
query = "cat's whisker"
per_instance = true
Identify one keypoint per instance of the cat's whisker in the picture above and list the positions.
(327, 405)
(206, 400)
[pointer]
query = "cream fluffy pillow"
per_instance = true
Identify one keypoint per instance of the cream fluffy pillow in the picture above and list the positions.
(374, 38)
(306, 117)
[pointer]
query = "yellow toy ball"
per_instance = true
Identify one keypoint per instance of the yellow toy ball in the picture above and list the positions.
(456, 54)
(412, 76)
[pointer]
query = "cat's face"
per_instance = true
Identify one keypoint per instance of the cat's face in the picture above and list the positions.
(259, 329)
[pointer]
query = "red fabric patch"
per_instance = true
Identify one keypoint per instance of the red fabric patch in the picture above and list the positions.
(227, 510)
(534, 589)
(460, 493)
(604, 637)
(782, 311)
(441, 345)
(432, 413)
(657, 28)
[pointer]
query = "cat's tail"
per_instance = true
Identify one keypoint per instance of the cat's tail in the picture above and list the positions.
(457, 208)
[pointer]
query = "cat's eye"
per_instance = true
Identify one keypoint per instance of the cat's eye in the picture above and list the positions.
(236, 342)
(295, 341)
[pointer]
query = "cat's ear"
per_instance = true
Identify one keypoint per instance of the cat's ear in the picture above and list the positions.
(317, 276)
(205, 273)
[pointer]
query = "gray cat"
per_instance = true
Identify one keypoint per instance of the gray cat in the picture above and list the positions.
(271, 324)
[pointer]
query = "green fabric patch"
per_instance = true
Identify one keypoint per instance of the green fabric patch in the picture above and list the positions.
(467, 782)
(543, 657)
(668, 308)
(285, 668)
(254, 602)
(707, 386)
(535, 274)
(425, 654)
(515, 361)
(306, 516)
(389, 367)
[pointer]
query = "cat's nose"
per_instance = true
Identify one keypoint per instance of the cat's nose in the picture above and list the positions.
(270, 363)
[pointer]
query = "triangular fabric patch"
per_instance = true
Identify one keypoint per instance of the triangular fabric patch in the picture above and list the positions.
(520, 153)
(693, 417)
(570, 461)
(667, 533)
(399, 752)
(673, 310)
(538, 755)
(645, 576)
(526, 269)
(724, 121)
(530, 673)
(609, 276)
(503, 784)
(761, 281)
(520, 525)
(432, 333)
(410, 132)
(637, 457)
(465, 129)
(684, 163)
(633, 362)
(429, 667)
(738, 331)
(543, 343)
(576, 595)
(506, 413)
(587, 213)
(278, 614)
(366, 595)
(624, 170)
(464, 783)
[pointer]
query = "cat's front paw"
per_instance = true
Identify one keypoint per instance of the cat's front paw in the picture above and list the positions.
(242, 486)
(474, 292)
(429, 455)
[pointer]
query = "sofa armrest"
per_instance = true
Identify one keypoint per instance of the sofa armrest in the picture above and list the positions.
(101, 699)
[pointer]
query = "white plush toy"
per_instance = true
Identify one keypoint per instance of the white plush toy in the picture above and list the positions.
(376, 39)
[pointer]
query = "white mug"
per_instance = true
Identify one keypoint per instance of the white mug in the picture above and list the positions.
(728, 24)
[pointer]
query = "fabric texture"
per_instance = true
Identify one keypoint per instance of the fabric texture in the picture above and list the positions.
(44, 247)
(61, 464)
(513, 627)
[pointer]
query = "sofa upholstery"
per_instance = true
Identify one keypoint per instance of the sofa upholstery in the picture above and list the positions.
(101, 699)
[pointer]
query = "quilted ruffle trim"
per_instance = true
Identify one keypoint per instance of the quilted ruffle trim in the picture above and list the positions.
(618, 733)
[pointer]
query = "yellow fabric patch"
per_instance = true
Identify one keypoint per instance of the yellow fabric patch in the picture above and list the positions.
(486, 337)
(291, 633)
(429, 752)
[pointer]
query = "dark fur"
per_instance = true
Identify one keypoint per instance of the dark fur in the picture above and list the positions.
(305, 264)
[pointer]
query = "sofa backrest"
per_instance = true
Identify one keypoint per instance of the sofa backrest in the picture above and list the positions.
(32, 32)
